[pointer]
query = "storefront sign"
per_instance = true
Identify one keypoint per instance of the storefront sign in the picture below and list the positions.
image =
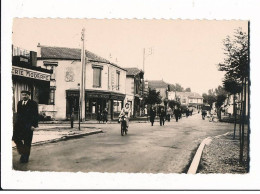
(96, 95)
(171, 95)
(29, 73)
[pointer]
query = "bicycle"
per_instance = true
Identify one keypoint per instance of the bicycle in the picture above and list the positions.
(123, 126)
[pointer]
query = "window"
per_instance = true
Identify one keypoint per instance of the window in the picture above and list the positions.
(184, 101)
(117, 79)
(97, 70)
(52, 96)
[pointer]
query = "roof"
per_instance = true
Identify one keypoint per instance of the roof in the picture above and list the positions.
(65, 53)
(157, 84)
(189, 94)
(132, 71)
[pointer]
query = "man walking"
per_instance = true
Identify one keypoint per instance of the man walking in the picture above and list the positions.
(152, 115)
(162, 116)
(27, 121)
(176, 113)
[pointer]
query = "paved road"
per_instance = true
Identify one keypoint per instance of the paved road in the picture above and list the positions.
(146, 149)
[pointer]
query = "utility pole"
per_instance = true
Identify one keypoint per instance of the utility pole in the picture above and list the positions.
(83, 70)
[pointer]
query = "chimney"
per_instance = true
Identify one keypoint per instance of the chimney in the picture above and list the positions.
(39, 50)
(33, 58)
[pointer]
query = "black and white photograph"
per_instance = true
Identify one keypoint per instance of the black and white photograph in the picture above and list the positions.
(114, 98)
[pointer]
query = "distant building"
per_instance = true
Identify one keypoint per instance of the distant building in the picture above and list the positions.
(134, 89)
(104, 85)
(159, 86)
(191, 99)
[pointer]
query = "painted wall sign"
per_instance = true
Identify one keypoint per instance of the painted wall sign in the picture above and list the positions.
(29, 73)
(69, 75)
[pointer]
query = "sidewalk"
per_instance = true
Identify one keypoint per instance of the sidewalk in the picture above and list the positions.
(222, 156)
(137, 119)
(53, 133)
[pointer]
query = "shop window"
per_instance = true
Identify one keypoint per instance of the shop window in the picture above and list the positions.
(117, 106)
(44, 96)
(97, 70)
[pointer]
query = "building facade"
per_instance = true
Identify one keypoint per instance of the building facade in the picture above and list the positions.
(189, 99)
(159, 86)
(27, 76)
(104, 82)
(134, 90)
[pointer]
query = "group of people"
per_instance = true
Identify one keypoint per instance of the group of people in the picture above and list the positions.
(165, 115)
(102, 116)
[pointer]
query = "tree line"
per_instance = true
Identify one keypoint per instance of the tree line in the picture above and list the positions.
(236, 83)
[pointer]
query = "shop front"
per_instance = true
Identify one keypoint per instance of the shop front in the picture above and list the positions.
(95, 103)
(34, 79)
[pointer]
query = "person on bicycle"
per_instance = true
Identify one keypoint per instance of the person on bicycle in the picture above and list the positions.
(126, 111)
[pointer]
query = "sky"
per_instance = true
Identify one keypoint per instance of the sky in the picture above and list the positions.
(184, 51)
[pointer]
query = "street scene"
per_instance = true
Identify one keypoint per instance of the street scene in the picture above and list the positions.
(145, 149)
(101, 96)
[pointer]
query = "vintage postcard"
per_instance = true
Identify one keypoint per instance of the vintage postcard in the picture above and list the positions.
(141, 99)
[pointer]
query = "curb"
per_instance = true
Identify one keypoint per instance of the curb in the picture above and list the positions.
(63, 138)
(196, 160)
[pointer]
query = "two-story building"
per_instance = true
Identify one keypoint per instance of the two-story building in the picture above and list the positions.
(159, 86)
(134, 89)
(104, 82)
(189, 99)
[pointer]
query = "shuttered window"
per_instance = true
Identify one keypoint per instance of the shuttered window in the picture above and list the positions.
(97, 76)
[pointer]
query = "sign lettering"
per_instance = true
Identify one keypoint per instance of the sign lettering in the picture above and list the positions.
(31, 73)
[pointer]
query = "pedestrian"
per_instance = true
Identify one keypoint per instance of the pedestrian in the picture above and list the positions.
(180, 113)
(105, 113)
(162, 115)
(99, 115)
(72, 118)
(203, 113)
(177, 114)
(169, 113)
(152, 115)
(26, 122)
(187, 113)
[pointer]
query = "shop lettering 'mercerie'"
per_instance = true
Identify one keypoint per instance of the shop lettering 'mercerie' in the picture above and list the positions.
(30, 73)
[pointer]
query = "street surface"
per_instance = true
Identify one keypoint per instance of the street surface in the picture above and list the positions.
(146, 148)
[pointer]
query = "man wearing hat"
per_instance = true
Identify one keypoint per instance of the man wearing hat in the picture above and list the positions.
(27, 121)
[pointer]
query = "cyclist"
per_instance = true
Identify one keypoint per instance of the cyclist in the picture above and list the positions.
(126, 111)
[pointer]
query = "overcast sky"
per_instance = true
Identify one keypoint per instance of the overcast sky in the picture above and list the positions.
(184, 51)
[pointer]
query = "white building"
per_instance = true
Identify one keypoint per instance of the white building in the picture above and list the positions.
(104, 83)
(134, 89)
(191, 99)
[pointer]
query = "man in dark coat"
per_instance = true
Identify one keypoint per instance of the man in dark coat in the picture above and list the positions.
(27, 121)
(105, 113)
(162, 116)
(177, 114)
(152, 115)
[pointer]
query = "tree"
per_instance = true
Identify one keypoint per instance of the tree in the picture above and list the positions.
(176, 87)
(209, 98)
(187, 90)
(173, 103)
(152, 97)
(233, 87)
(236, 63)
(236, 66)
(221, 96)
